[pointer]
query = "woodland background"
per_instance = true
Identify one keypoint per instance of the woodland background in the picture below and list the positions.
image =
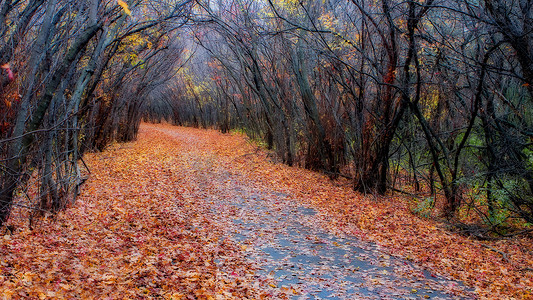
(427, 98)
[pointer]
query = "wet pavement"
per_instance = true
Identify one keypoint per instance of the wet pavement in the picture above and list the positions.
(284, 240)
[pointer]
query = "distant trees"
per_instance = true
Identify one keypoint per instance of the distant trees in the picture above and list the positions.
(74, 75)
(424, 96)
(435, 95)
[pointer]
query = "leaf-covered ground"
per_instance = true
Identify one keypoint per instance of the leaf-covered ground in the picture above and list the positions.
(186, 213)
(130, 235)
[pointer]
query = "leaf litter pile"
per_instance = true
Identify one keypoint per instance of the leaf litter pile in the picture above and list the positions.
(195, 214)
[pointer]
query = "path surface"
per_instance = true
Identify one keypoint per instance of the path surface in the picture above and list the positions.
(184, 213)
(286, 239)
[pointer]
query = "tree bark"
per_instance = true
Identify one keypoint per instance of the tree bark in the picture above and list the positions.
(19, 151)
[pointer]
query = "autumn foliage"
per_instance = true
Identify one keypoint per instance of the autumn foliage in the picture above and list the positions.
(137, 232)
(406, 124)
(131, 234)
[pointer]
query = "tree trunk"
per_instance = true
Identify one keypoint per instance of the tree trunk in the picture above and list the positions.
(19, 150)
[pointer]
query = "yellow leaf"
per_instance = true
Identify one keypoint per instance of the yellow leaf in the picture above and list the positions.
(7, 294)
(124, 6)
(295, 292)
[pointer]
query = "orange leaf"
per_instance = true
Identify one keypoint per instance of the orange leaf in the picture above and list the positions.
(124, 6)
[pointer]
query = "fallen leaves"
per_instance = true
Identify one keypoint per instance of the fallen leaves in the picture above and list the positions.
(131, 234)
(151, 222)
(386, 221)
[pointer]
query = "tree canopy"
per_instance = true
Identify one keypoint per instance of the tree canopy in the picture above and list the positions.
(431, 98)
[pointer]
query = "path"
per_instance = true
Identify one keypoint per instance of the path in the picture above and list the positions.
(285, 239)
(184, 213)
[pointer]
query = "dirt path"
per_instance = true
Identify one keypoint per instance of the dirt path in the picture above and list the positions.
(284, 238)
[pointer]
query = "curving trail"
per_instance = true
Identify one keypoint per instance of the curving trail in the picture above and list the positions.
(285, 239)
(183, 213)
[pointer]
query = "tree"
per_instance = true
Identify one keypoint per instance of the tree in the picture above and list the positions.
(74, 48)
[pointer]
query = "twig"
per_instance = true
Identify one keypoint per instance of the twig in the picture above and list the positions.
(525, 231)
(337, 174)
(403, 192)
(246, 154)
(85, 165)
(504, 255)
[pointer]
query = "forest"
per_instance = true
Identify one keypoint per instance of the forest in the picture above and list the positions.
(427, 98)
(430, 100)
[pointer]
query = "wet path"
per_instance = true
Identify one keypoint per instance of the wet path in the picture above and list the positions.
(312, 264)
(284, 240)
